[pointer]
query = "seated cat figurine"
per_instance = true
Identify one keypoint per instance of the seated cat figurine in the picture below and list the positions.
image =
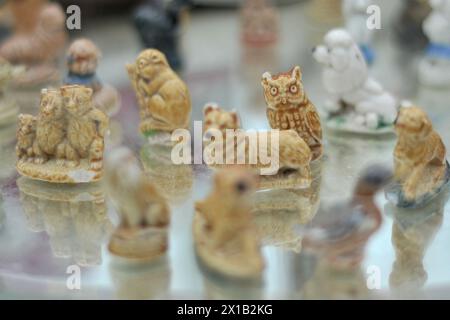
(225, 235)
(421, 169)
(163, 98)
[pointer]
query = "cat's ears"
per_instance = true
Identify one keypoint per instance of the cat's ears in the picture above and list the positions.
(265, 78)
(297, 73)
(211, 106)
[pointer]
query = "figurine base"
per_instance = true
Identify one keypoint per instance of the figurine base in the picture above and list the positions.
(138, 246)
(346, 124)
(162, 138)
(285, 179)
(394, 193)
(51, 172)
(227, 262)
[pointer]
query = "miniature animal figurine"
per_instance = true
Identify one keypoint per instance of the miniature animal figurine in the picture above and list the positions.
(260, 22)
(26, 134)
(86, 127)
(288, 107)
(67, 138)
(421, 168)
(355, 14)
(357, 102)
(163, 98)
(293, 152)
(144, 213)
(225, 236)
(39, 37)
(51, 126)
(434, 69)
(82, 61)
(340, 233)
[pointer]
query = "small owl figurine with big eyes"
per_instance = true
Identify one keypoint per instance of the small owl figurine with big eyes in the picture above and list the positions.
(288, 107)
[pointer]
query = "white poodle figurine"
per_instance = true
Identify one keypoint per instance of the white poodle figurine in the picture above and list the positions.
(434, 69)
(362, 100)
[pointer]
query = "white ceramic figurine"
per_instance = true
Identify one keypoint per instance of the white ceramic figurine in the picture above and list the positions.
(357, 102)
(434, 69)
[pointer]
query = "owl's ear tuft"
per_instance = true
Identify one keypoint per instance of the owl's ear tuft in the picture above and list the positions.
(265, 78)
(297, 73)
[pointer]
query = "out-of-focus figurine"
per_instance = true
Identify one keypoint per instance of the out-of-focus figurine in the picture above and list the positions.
(158, 24)
(8, 107)
(65, 142)
(409, 25)
(294, 153)
(144, 214)
(421, 168)
(163, 98)
(37, 41)
(82, 61)
(355, 14)
(339, 233)
(288, 107)
(434, 69)
(413, 231)
(357, 102)
(74, 217)
(226, 239)
(259, 23)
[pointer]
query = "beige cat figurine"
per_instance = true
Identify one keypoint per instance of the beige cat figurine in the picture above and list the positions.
(26, 134)
(144, 213)
(86, 126)
(420, 164)
(225, 236)
(51, 126)
(288, 107)
(163, 98)
(294, 153)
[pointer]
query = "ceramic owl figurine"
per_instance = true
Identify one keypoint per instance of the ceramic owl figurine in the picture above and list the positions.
(82, 61)
(357, 102)
(434, 69)
(288, 107)
(163, 98)
(421, 168)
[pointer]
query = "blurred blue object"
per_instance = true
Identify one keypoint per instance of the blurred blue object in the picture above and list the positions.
(368, 52)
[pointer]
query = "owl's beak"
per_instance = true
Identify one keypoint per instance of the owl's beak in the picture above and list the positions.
(283, 100)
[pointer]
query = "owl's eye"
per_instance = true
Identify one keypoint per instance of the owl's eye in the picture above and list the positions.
(273, 91)
(293, 89)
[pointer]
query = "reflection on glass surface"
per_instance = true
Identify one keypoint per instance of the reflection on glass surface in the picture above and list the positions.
(139, 282)
(413, 231)
(74, 217)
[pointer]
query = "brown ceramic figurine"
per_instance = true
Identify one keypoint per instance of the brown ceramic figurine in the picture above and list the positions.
(293, 153)
(260, 22)
(225, 236)
(38, 39)
(288, 107)
(65, 142)
(144, 214)
(421, 169)
(163, 98)
(82, 61)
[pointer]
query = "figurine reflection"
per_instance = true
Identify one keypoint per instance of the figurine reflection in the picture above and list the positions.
(74, 216)
(338, 236)
(413, 231)
(173, 181)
